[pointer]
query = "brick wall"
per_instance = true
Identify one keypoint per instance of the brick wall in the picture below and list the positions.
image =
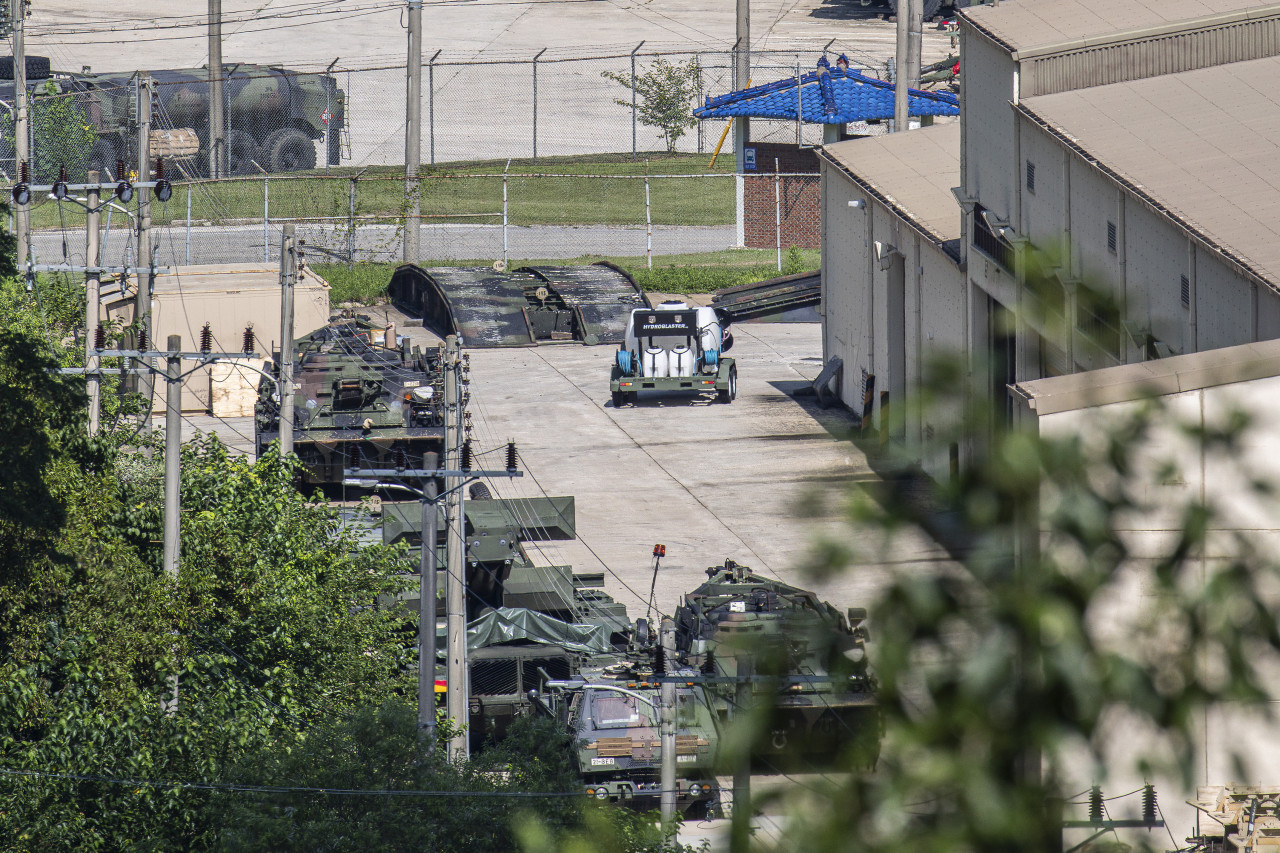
(798, 211)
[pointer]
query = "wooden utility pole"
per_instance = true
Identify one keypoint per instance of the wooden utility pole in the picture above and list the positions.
(146, 256)
(21, 130)
(92, 279)
(217, 119)
(907, 59)
(667, 730)
(288, 277)
(741, 75)
(427, 614)
(413, 137)
(456, 546)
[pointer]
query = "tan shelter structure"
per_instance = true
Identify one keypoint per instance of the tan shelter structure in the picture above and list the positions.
(228, 297)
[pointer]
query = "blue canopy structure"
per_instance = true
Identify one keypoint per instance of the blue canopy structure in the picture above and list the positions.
(827, 96)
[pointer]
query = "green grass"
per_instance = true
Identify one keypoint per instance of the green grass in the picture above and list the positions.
(692, 273)
(448, 195)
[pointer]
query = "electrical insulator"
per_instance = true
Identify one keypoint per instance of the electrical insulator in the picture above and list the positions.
(60, 186)
(660, 660)
(1095, 804)
(512, 456)
(402, 459)
(22, 189)
(248, 339)
(100, 338)
(164, 190)
(466, 456)
(1149, 804)
(709, 663)
(206, 339)
(142, 340)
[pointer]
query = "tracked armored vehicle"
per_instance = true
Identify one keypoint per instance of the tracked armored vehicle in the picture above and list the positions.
(812, 658)
(363, 399)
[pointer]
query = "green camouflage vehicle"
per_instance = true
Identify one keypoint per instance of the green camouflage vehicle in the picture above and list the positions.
(812, 657)
(357, 403)
(275, 117)
(614, 719)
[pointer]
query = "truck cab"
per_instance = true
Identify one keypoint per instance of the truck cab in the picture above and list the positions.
(674, 347)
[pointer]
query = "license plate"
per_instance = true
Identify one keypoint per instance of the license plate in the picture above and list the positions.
(682, 759)
(598, 761)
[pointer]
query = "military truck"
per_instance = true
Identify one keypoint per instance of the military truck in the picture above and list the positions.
(362, 399)
(674, 348)
(614, 719)
(275, 117)
(809, 662)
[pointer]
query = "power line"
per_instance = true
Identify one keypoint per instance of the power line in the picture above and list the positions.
(285, 789)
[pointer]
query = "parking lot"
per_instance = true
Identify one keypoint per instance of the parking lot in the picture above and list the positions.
(756, 481)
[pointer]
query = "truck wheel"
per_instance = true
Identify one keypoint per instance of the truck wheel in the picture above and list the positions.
(289, 150)
(241, 152)
(727, 395)
(619, 398)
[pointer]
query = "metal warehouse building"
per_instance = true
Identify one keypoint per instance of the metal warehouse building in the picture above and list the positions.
(1104, 224)
(1130, 147)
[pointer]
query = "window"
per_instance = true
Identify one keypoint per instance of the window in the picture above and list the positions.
(1031, 177)
(1186, 292)
(620, 711)
(990, 243)
(1111, 237)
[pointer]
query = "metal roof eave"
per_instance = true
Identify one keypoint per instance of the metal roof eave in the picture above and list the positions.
(891, 203)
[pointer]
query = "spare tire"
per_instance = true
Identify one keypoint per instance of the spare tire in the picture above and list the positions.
(38, 68)
(289, 150)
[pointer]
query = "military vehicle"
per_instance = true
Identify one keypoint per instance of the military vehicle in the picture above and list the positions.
(275, 117)
(614, 719)
(362, 399)
(674, 348)
(812, 657)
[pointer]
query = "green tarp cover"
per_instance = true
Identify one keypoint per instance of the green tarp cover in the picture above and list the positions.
(507, 624)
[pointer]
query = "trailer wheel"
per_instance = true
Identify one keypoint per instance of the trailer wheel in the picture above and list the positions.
(619, 398)
(289, 150)
(728, 395)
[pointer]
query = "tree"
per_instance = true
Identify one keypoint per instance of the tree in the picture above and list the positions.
(665, 93)
(1003, 669)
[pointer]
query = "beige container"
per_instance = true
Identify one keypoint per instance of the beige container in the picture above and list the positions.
(228, 297)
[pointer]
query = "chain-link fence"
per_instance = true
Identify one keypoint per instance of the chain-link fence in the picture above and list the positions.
(324, 149)
(464, 217)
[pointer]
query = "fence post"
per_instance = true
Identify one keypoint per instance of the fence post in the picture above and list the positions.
(351, 223)
(777, 211)
(633, 100)
(188, 224)
(504, 210)
(535, 103)
(266, 219)
(648, 220)
(431, 104)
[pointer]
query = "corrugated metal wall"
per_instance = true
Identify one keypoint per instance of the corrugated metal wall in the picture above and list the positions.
(1150, 57)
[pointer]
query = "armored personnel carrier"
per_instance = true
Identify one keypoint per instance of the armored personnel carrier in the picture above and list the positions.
(812, 658)
(362, 399)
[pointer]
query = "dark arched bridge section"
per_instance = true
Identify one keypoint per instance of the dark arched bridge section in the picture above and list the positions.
(522, 307)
